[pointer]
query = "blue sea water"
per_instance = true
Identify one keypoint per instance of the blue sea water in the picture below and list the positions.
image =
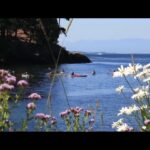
(82, 92)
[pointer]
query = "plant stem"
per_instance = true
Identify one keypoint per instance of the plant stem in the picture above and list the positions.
(128, 83)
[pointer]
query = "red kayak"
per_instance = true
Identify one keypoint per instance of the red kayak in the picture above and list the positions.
(78, 75)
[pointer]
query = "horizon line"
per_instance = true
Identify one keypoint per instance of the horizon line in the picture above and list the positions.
(113, 53)
(104, 39)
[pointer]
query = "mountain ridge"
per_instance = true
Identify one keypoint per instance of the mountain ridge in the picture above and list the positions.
(136, 45)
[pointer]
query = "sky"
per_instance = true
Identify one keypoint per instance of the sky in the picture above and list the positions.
(98, 29)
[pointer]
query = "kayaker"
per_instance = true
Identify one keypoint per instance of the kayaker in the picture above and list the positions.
(113, 72)
(72, 73)
(62, 72)
(94, 72)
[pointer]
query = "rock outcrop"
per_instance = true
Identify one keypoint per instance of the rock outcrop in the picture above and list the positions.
(13, 51)
(22, 41)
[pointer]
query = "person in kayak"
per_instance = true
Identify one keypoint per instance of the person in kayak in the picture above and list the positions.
(93, 72)
(78, 75)
(72, 73)
(62, 72)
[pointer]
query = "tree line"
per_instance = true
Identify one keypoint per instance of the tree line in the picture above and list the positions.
(11, 28)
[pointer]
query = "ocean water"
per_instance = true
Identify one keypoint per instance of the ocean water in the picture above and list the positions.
(82, 92)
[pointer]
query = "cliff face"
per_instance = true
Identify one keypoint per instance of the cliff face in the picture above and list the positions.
(23, 41)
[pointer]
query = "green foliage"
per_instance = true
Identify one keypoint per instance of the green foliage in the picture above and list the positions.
(31, 28)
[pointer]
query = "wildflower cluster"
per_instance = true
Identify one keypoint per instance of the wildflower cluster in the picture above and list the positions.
(78, 119)
(8, 91)
(8, 83)
(140, 110)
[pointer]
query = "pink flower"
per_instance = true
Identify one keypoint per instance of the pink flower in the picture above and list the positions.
(76, 110)
(64, 114)
(39, 116)
(72, 110)
(3, 73)
(10, 79)
(42, 116)
(87, 113)
(6, 87)
(34, 96)
(147, 122)
(47, 116)
(22, 83)
(31, 106)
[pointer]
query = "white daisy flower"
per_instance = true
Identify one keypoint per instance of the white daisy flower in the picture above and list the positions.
(143, 74)
(147, 79)
(132, 69)
(146, 66)
(128, 110)
(143, 107)
(120, 89)
(144, 127)
(140, 95)
(124, 128)
(121, 71)
(117, 123)
(117, 74)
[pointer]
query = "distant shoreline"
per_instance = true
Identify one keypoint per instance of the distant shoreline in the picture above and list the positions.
(103, 53)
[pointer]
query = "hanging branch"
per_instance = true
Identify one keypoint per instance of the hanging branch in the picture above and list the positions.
(54, 61)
